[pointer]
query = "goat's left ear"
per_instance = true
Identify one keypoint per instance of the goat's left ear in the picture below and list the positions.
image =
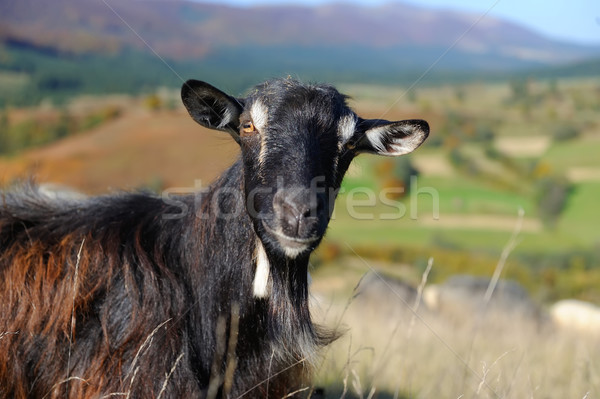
(211, 107)
(377, 136)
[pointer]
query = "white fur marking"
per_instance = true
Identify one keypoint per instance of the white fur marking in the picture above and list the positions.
(346, 127)
(261, 276)
(259, 114)
(409, 143)
(405, 138)
(227, 116)
(260, 117)
(375, 137)
(292, 253)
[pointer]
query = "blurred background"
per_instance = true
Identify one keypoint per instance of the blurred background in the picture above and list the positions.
(507, 185)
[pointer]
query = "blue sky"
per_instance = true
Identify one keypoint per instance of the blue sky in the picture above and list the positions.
(569, 20)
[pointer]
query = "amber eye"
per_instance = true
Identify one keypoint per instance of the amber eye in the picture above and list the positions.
(248, 128)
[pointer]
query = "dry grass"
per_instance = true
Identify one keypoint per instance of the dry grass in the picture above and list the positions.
(492, 355)
(399, 348)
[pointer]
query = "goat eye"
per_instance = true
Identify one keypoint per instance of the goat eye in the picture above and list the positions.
(248, 128)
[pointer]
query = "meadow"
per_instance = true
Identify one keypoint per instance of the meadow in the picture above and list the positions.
(496, 151)
(396, 348)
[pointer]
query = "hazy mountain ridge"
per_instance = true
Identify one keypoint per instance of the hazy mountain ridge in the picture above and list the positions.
(184, 29)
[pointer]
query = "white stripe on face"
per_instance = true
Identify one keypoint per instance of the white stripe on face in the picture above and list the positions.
(260, 115)
(347, 127)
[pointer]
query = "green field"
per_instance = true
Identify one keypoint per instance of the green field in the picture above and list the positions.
(471, 185)
(566, 155)
(581, 217)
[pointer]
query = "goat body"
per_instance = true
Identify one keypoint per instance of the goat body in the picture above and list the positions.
(190, 296)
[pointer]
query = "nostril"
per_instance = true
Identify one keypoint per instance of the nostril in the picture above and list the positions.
(313, 206)
(298, 211)
(307, 210)
(287, 213)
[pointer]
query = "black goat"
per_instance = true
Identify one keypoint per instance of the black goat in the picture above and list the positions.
(194, 296)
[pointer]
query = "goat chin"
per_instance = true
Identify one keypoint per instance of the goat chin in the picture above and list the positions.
(292, 247)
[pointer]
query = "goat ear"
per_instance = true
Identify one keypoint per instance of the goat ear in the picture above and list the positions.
(212, 108)
(390, 138)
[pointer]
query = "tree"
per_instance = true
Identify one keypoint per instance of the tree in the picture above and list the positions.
(4, 133)
(62, 128)
(552, 193)
(519, 90)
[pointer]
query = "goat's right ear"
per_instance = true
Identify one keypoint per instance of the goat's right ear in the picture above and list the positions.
(212, 108)
(390, 138)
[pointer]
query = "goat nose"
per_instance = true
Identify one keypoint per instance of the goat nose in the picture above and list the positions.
(298, 212)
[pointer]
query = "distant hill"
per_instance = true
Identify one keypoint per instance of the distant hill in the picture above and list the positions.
(183, 29)
(79, 45)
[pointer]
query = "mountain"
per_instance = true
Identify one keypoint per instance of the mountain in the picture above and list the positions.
(183, 29)
(146, 40)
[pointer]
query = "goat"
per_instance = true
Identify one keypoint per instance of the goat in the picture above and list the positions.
(199, 295)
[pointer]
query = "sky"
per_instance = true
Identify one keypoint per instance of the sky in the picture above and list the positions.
(568, 20)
